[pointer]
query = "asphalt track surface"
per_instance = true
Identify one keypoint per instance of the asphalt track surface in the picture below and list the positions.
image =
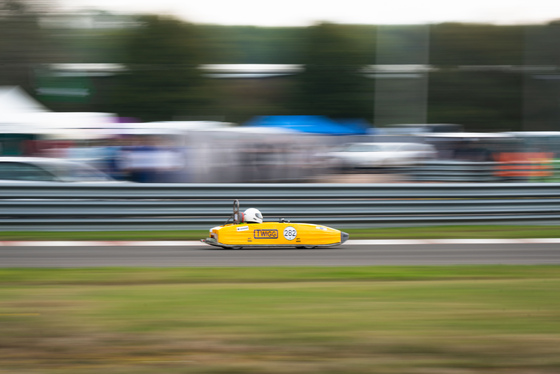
(346, 255)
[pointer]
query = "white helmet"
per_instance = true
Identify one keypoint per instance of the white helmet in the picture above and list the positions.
(253, 215)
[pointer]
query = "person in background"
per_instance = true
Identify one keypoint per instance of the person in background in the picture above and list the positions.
(151, 160)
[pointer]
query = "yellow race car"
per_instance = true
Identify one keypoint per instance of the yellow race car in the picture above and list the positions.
(247, 229)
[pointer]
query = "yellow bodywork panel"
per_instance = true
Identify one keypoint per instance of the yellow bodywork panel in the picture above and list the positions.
(275, 234)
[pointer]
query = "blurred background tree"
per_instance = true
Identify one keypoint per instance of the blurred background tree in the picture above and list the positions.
(331, 83)
(162, 80)
(483, 76)
(24, 45)
(456, 44)
(473, 84)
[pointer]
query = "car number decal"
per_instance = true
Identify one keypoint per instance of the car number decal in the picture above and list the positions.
(290, 233)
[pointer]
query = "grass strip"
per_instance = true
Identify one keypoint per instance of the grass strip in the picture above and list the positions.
(133, 276)
(437, 232)
(414, 319)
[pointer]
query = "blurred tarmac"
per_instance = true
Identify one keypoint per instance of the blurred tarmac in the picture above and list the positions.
(196, 243)
(359, 253)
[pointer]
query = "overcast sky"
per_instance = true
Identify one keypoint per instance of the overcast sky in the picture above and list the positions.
(307, 12)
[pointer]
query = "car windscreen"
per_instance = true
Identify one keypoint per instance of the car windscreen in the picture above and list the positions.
(362, 148)
(21, 171)
(70, 172)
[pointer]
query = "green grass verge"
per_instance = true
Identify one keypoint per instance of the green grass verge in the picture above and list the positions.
(439, 232)
(449, 319)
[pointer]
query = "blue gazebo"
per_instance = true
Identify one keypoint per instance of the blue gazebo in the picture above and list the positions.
(310, 124)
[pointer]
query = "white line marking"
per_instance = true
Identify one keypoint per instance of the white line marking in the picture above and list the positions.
(98, 243)
(385, 242)
(542, 240)
(166, 243)
(476, 241)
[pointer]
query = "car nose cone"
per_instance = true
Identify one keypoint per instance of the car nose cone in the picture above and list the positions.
(343, 237)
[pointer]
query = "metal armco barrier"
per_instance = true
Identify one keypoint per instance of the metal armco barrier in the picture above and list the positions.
(455, 171)
(100, 207)
(485, 172)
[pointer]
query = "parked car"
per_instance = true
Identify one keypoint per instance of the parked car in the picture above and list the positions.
(38, 169)
(378, 155)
